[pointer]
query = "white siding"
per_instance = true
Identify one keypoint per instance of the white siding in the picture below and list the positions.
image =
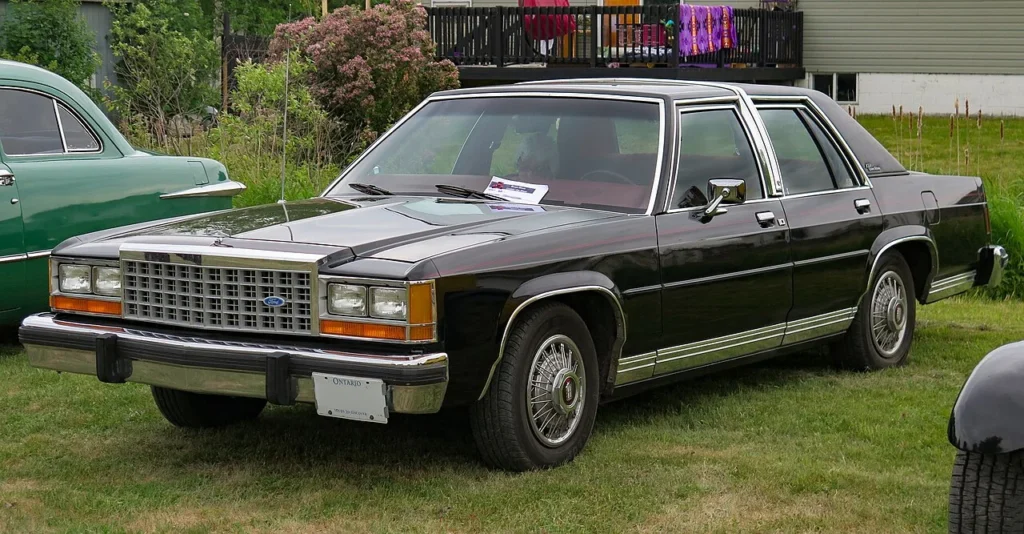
(912, 36)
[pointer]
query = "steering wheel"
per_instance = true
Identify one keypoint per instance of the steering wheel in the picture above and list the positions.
(618, 177)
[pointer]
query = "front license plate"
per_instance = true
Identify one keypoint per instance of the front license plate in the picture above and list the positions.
(347, 397)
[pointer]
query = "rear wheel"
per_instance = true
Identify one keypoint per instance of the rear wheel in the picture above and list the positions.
(540, 407)
(195, 410)
(883, 329)
(987, 493)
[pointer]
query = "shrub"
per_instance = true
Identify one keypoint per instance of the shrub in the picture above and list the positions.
(51, 34)
(166, 66)
(1007, 215)
(249, 142)
(371, 67)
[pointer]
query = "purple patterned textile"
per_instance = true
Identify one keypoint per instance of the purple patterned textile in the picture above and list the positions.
(705, 29)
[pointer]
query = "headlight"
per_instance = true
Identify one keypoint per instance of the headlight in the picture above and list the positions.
(388, 303)
(106, 281)
(345, 299)
(75, 278)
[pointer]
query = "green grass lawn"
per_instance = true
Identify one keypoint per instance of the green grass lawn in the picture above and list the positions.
(789, 445)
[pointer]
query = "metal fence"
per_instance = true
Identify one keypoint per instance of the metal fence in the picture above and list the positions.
(606, 36)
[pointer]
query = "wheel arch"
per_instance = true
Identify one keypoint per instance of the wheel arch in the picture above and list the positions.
(986, 415)
(916, 246)
(590, 294)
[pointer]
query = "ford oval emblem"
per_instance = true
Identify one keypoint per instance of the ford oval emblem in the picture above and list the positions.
(274, 301)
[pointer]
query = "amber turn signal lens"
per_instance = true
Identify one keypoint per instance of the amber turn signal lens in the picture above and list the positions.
(105, 307)
(365, 330)
(421, 304)
(421, 333)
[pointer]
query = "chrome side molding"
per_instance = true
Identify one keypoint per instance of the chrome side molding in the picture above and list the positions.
(709, 351)
(953, 285)
(229, 188)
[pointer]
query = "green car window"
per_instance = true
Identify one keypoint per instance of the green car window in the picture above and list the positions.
(28, 124)
(77, 136)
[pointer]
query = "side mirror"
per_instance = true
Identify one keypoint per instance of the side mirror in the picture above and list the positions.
(724, 191)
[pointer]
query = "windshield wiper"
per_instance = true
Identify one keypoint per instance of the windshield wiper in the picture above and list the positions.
(370, 189)
(465, 192)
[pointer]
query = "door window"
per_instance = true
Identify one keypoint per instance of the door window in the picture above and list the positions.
(76, 135)
(28, 124)
(809, 161)
(712, 144)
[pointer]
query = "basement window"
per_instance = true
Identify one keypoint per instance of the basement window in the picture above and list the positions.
(842, 87)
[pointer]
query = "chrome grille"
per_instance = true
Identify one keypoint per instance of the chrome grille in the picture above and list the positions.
(217, 297)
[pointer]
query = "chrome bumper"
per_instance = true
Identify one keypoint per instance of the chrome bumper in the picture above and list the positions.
(994, 259)
(279, 373)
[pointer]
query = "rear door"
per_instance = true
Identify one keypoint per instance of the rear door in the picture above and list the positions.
(833, 220)
(726, 281)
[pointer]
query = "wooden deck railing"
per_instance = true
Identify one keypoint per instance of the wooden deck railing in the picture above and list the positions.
(606, 36)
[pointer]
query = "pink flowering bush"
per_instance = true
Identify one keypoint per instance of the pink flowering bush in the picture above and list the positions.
(370, 67)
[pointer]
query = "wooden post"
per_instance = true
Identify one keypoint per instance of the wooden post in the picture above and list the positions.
(368, 6)
(323, 8)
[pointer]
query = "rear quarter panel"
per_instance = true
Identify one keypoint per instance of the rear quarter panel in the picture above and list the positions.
(955, 220)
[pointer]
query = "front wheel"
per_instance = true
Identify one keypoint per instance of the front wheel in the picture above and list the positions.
(883, 329)
(539, 409)
(986, 494)
(195, 410)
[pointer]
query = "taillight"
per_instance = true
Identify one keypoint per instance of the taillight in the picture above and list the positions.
(988, 221)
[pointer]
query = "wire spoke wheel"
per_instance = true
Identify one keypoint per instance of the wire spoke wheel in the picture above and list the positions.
(889, 308)
(556, 390)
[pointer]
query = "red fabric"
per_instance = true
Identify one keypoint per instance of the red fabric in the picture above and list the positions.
(547, 27)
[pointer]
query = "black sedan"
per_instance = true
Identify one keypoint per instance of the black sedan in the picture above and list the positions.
(530, 251)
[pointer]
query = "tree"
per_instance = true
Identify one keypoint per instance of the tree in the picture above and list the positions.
(372, 66)
(167, 63)
(51, 34)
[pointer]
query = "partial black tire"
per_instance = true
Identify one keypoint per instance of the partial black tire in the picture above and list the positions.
(195, 410)
(987, 494)
(539, 409)
(883, 329)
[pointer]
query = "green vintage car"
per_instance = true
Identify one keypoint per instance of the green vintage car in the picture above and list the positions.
(65, 170)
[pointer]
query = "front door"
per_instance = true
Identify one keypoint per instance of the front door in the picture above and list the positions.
(727, 280)
(833, 220)
(12, 247)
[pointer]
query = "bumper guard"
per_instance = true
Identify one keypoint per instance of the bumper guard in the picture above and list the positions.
(279, 373)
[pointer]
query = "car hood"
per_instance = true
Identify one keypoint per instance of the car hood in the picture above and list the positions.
(398, 228)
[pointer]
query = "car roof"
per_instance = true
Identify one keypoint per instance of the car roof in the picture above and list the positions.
(13, 70)
(617, 86)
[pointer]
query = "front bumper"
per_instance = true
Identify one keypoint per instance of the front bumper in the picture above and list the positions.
(279, 373)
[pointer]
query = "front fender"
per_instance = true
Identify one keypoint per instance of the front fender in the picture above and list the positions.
(553, 285)
(987, 416)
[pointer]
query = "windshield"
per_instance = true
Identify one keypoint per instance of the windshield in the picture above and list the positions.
(578, 152)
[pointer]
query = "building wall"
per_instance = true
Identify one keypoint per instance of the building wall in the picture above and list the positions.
(937, 93)
(100, 20)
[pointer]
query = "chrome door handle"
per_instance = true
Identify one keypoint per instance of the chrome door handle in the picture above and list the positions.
(863, 205)
(766, 219)
(14, 201)
(6, 178)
